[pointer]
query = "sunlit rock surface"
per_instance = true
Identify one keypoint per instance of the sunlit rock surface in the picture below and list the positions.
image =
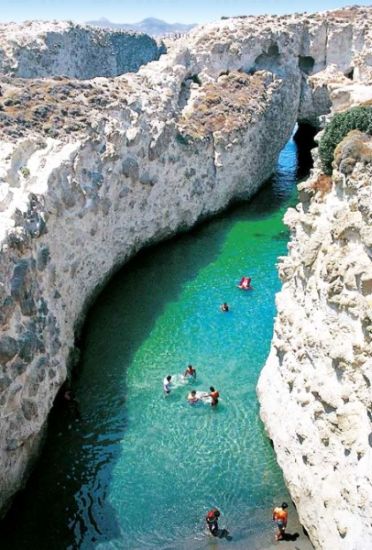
(92, 171)
(49, 48)
(315, 390)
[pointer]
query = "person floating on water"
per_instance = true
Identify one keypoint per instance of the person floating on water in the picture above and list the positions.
(214, 395)
(245, 283)
(280, 516)
(224, 307)
(192, 398)
(212, 521)
(190, 372)
(167, 384)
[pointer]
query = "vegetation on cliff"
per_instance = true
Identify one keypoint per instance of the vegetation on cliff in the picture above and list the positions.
(230, 103)
(358, 118)
(355, 147)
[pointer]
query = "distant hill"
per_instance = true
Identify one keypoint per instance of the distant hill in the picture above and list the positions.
(152, 26)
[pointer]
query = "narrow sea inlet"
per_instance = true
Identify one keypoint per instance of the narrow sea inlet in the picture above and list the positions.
(140, 470)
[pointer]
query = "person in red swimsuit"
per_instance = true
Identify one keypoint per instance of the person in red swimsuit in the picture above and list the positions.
(214, 395)
(212, 521)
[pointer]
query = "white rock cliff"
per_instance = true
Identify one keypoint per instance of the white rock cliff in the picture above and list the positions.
(315, 389)
(38, 49)
(91, 171)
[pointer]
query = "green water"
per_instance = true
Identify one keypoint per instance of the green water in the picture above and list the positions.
(140, 470)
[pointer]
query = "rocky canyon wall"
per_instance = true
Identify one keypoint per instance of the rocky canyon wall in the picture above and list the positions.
(37, 49)
(315, 389)
(92, 171)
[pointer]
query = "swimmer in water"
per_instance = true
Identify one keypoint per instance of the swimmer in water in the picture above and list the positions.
(245, 283)
(224, 307)
(190, 372)
(167, 384)
(192, 397)
(214, 395)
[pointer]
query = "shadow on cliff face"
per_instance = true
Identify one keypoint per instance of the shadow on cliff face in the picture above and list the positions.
(66, 501)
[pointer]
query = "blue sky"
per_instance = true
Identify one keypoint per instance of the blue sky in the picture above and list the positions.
(184, 11)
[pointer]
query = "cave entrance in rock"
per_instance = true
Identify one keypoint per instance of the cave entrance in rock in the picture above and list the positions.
(304, 135)
(137, 460)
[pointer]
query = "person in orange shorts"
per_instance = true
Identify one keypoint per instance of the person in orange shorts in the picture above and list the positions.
(280, 516)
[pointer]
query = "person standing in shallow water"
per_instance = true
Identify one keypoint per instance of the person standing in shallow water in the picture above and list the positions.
(192, 398)
(224, 307)
(167, 384)
(280, 516)
(214, 395)
(190, 372)
(212, 521)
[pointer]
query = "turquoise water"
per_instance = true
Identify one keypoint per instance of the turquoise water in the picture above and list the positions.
(140, 470)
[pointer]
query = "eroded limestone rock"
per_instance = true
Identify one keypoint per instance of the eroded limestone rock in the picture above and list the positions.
(325, 391)
(48, 48)
(91, 171)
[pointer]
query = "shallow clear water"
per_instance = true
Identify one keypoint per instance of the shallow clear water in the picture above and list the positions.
(140, 470)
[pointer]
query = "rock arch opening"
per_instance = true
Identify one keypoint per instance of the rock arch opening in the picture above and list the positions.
(269, 60)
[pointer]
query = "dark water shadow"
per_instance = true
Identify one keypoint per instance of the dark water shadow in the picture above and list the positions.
(64, 503)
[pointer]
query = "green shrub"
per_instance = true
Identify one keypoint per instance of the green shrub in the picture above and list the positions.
(358, 118)
(24, 171)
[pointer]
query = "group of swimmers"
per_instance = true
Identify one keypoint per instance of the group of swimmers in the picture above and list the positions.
(193, 397)
(280, 514)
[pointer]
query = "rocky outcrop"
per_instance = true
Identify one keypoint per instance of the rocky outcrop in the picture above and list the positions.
(93, 171)
(315, 389)
(38, 49)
